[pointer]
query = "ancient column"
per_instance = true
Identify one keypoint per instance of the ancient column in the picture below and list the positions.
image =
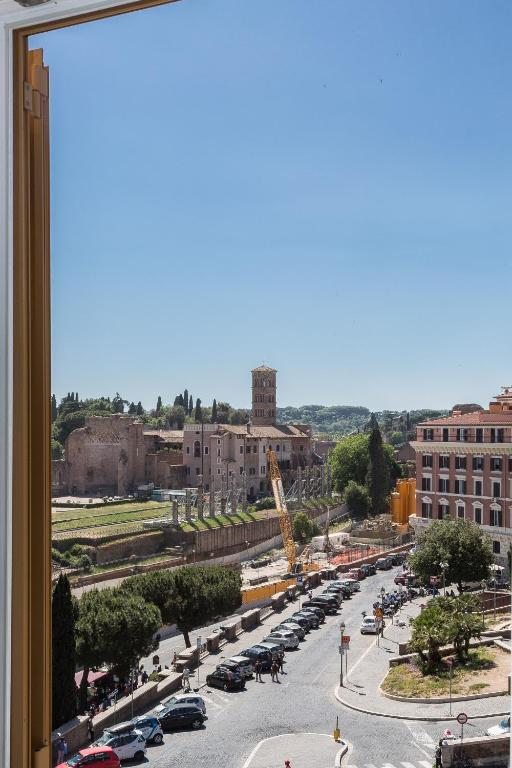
(299, 487)
(175, 519)
(244, 493)
(307, 490)
(212, 502)
(200, 492)
(329, 481)
(188, 508)
(234, 496)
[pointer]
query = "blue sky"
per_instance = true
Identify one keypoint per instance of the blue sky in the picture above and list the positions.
(323, 186)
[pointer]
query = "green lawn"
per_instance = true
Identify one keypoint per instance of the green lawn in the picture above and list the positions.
(125, 513)
(220, 520)
(408, 680)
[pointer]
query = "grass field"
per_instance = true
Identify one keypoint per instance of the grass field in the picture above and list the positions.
(220, 520)
(481, 674)
(70, 520)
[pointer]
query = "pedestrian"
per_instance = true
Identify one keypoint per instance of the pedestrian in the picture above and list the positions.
(310, 594)
(257, 671)
(280, 661)
(186, 680)
(174, 660)
(59, 746)
(90, 728)
(144, 677)
(273, 671)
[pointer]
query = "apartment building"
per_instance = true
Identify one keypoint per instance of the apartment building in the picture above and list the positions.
(464, 470)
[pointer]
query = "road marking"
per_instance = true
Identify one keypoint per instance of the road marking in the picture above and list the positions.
(281, 736)
(408, 765)
(421, 736)
(319, 675)
(372, 645)
(425, 764)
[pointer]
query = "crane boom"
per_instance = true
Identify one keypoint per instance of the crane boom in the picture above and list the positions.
(284, 517)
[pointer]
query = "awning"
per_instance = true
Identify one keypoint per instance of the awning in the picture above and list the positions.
(92, 677)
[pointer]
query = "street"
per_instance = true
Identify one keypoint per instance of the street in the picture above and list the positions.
(304, 701)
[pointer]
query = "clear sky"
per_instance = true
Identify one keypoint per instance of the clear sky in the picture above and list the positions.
(323, 186)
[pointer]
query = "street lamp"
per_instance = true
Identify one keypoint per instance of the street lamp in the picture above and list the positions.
(483, 584)
(443, 566)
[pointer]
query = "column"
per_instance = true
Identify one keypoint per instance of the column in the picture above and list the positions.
(188, 508)
(234, 496)
(200, 492)
(212, 501)
(307, 489)
(175, 519)
(299, 486)
(244, 493)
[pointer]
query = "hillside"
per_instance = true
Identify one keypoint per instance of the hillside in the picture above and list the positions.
(330, 420)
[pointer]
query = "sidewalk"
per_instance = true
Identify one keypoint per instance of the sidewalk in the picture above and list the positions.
(361, 690)
(303, 750)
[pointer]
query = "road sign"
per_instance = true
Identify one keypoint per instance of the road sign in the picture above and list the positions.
(345, 641)
(462, 718)
(341, 649)
(300, 579)
(434, 581)
(342, 626)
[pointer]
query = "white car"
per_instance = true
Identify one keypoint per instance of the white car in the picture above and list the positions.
(181, 698)
(353, 584)
(369, 626)
(149, 726)
(284, 637)
(128, 743)
(501, 729)
(295, 628)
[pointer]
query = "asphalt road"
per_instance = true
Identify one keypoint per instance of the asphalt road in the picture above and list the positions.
(304, 702)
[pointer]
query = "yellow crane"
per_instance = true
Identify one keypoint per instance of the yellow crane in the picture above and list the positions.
(284, 517)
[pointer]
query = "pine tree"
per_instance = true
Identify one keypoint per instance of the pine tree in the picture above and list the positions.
(377, 478)
(190, 405)
(158, 409)
(132, 409)
(185, 400)
(140, 409)
(198, 414)
(214, 412)
(54, 408)
(177, 399)
(76, 397)
(63, 654)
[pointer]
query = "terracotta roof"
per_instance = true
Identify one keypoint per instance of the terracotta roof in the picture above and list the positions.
(264, 369)
(169, 435)
(278, 431)
(477, 418)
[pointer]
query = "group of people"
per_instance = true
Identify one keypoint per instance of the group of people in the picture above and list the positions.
(276, 667)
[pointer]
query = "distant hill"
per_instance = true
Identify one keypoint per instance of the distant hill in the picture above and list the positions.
(333, 420)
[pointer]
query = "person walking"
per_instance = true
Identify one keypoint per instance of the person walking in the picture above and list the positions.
(280, 661)
(59, 746)
(186, 680)
(273, 671)
(90, 728)
(257, 671)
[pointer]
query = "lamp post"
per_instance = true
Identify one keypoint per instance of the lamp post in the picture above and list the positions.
(483, 584)
(443, 567)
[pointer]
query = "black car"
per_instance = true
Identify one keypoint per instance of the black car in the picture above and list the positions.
(181, 716)
(225, 679)
(259, 654)
(328, 606)
(368, 568)
(305, 621)
(316, 610)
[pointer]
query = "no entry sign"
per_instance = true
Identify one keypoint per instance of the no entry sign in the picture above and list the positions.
(462, 718)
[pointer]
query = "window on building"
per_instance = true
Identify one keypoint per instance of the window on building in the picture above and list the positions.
(443, 511)
(444, 461)
(460, 510)
(444, 485)
(252, 470)
(478, 487)
(206, 450)
(479, 435)
(264, 449)
(301, 447)
(263, 470)
(478, 463)
(241, 470)
(495, 464)
(241, 449)
(495, 518)
(478, 515)
(188, 449)
(497, 435)
(255, 449)
(496, 547)
(426, 509)
(510, 463)
(446, 434)
(207, 487)
(247, 449)
(218, 471)
(197, 449)
(460, 462)
(496, 489)
(460, 486)
(462, 435)
(188, 470)
(428, 434)
(198, 470)
(427, 460)
(426, 483)
(277, 448)
(218, 442)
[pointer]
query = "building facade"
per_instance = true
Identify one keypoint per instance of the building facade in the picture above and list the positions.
(464, 470)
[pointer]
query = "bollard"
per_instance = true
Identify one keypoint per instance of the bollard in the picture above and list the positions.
(336, 733)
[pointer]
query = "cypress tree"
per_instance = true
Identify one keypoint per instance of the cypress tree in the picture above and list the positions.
(185, 400)
(54, 408)
(158, 408)
(139, 409)
(190, 405)
(214, 412)
(63, 654)
(198, 414)
(132, 409)
(377, 478)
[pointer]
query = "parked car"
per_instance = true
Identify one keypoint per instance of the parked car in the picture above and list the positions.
(383, 564)
(149, 726)
(181, 716)
(127, 742)
(274, 647)
(285, 637)
(181, 698)
(369, 569)
(369, 626)
(226, 679)
(263, 655)
(316, 610)
(92, 757)
(236, 668)
(245, 665)
(328, 599)
(342, 589)
(353, 584)
(326, 605)
(337, 596)
(356, 573)
(501, 729)
(293, 626)
(306, 620)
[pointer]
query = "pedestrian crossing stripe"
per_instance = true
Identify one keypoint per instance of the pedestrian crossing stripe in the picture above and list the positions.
(419, 764)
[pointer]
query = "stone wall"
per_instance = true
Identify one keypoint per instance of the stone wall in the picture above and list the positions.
(139, 545)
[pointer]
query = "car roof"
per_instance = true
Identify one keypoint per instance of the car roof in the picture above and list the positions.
(239, 659)
(120, 727)
(94, 750)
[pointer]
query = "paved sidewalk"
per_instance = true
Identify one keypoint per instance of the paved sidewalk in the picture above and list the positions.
(303, 750)
(361, 687)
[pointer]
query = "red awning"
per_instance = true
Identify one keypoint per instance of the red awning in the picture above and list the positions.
(92, 677)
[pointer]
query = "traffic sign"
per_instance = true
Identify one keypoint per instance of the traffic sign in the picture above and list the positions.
(342, 626)
(341, 649)
(345, 641)
(300, 579)
(462, 718)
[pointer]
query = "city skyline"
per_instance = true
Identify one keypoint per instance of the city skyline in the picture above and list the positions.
(323, 188)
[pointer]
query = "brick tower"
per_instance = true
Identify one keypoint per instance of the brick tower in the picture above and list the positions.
(263, 396)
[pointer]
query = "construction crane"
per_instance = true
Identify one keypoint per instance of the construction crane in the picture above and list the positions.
(284, 517)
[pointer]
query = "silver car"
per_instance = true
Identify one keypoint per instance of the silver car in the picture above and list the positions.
(181, 698)
(295, 628)
(284, 637)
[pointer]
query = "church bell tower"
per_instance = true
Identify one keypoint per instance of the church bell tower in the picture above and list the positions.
(263, 396)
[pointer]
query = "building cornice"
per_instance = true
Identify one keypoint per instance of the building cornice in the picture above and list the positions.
(434, 446)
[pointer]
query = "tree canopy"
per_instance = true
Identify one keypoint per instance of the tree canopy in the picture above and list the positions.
(378, 474)
(63, 653)
(460, 544)
(189, 596)
(304, 528)
(350, 460)
(357, 499)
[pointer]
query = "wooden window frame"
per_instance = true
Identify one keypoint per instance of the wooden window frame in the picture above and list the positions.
(25, 389)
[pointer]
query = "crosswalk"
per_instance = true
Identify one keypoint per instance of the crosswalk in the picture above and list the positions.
(418, 764)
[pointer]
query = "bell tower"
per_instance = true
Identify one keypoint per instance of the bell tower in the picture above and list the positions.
(263, 396)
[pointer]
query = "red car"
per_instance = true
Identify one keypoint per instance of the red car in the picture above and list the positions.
(93, 757)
